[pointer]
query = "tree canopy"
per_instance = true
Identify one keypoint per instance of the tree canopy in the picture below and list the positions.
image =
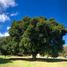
(37, 35)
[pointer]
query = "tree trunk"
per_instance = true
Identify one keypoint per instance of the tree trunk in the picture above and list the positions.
(34, 56)
(47, 56)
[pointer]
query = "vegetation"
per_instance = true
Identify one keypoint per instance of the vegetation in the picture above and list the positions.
(64, 53)
(25, 62)
(32, 36)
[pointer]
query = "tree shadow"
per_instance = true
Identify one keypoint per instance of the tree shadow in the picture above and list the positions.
(3, 61)
(52, 60)
(40, 59)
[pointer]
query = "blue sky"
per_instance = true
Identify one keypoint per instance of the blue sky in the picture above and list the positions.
(17, 9)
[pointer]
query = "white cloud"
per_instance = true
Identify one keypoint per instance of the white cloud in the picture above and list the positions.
(7, 3)
(14, 14)
(8, 28)
(4, 34)
(4, 4)
(4, 17)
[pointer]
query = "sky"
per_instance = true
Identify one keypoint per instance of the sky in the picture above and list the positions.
(16, 9)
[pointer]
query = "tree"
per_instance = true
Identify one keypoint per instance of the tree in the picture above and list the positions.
(38, 35)
(4, 45)
(17, 30)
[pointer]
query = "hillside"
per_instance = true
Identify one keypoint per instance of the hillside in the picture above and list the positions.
(65, 51)
(65, 48)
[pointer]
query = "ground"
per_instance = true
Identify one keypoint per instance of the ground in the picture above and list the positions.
(15, 61)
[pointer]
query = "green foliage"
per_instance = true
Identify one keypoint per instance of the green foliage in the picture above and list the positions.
(36, 35)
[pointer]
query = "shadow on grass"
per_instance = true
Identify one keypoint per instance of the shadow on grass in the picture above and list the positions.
(40, 59)
(3, 61)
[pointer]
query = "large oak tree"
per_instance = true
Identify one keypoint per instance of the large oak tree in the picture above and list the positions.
(38, 35)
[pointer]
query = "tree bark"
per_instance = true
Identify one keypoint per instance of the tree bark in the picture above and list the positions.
(34, 56)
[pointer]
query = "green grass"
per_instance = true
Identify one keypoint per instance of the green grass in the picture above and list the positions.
(15, 61)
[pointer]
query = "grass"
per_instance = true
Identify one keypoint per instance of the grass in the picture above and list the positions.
(15, 61)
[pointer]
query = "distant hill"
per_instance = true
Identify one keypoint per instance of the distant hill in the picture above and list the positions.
(64, 53)
(65, 48)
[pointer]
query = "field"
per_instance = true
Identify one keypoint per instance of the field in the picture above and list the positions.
(16, 61)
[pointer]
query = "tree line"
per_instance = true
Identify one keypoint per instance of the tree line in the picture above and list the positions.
(32, 36)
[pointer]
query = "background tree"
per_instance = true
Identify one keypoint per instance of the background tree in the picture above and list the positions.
(4, 45)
